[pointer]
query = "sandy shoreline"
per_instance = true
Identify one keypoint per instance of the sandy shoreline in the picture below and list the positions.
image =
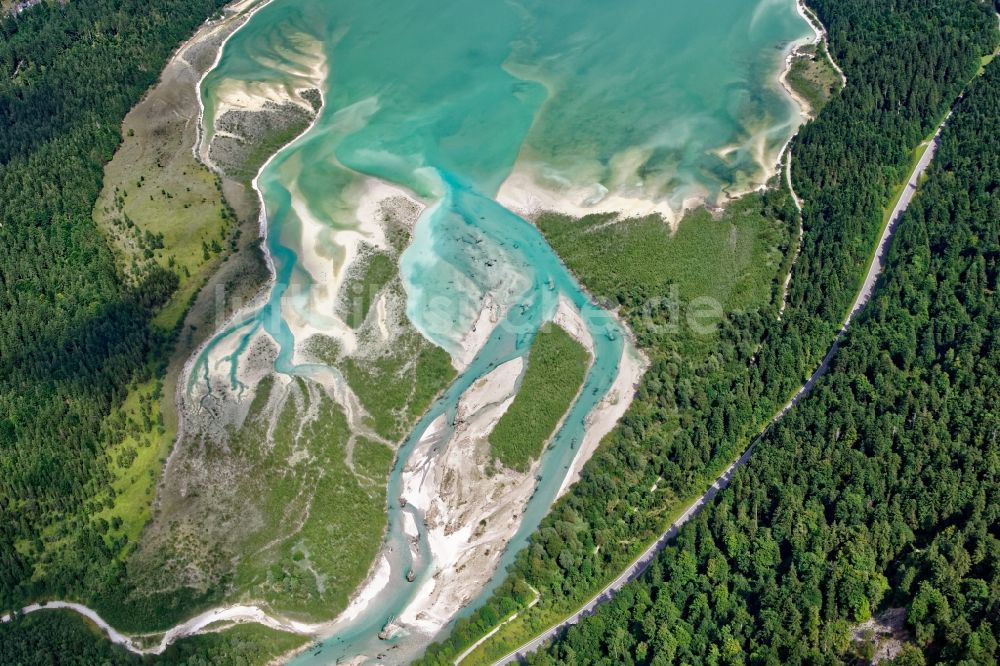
(242, 16)
(791, 52)
(370, 589)
(523, 194)
(820, 31)
(794, 49)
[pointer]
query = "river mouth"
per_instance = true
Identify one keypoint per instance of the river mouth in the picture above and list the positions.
(451, 121)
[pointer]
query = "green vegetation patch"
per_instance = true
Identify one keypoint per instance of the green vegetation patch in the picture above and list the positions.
(874, 509)
(144, 442)
(261, 150)
(159, 205)
(240, 645)
(813, 77)
(399, 384)
(322, 524)
(289, 508)
(252, 137)
(372, 459)
(374, 272)
(707, 269)
(730, 259)
(557, 366)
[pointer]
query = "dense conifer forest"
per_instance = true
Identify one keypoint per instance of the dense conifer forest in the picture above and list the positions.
(879, 490)
(73, 334)
(693, 415)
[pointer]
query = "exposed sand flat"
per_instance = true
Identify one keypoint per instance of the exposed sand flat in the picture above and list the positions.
(376, 583)
(327, 249)
(521, 194)
(382, 317)
(298, 55)
(235, 614)
(326, 255)
(470, 515)
(491, 390)
(254, 96)
(568, 318)
(489, 315)
(309, 72)
(416, 488)
(410, 525)
(377, 195)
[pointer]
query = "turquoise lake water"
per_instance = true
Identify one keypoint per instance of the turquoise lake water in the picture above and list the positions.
(659, 99)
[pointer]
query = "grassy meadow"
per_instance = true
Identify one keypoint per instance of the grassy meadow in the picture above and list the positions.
(812, 76)
(159, 205)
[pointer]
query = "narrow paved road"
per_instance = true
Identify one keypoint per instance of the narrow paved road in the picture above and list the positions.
(640, 564)
(897, 212)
